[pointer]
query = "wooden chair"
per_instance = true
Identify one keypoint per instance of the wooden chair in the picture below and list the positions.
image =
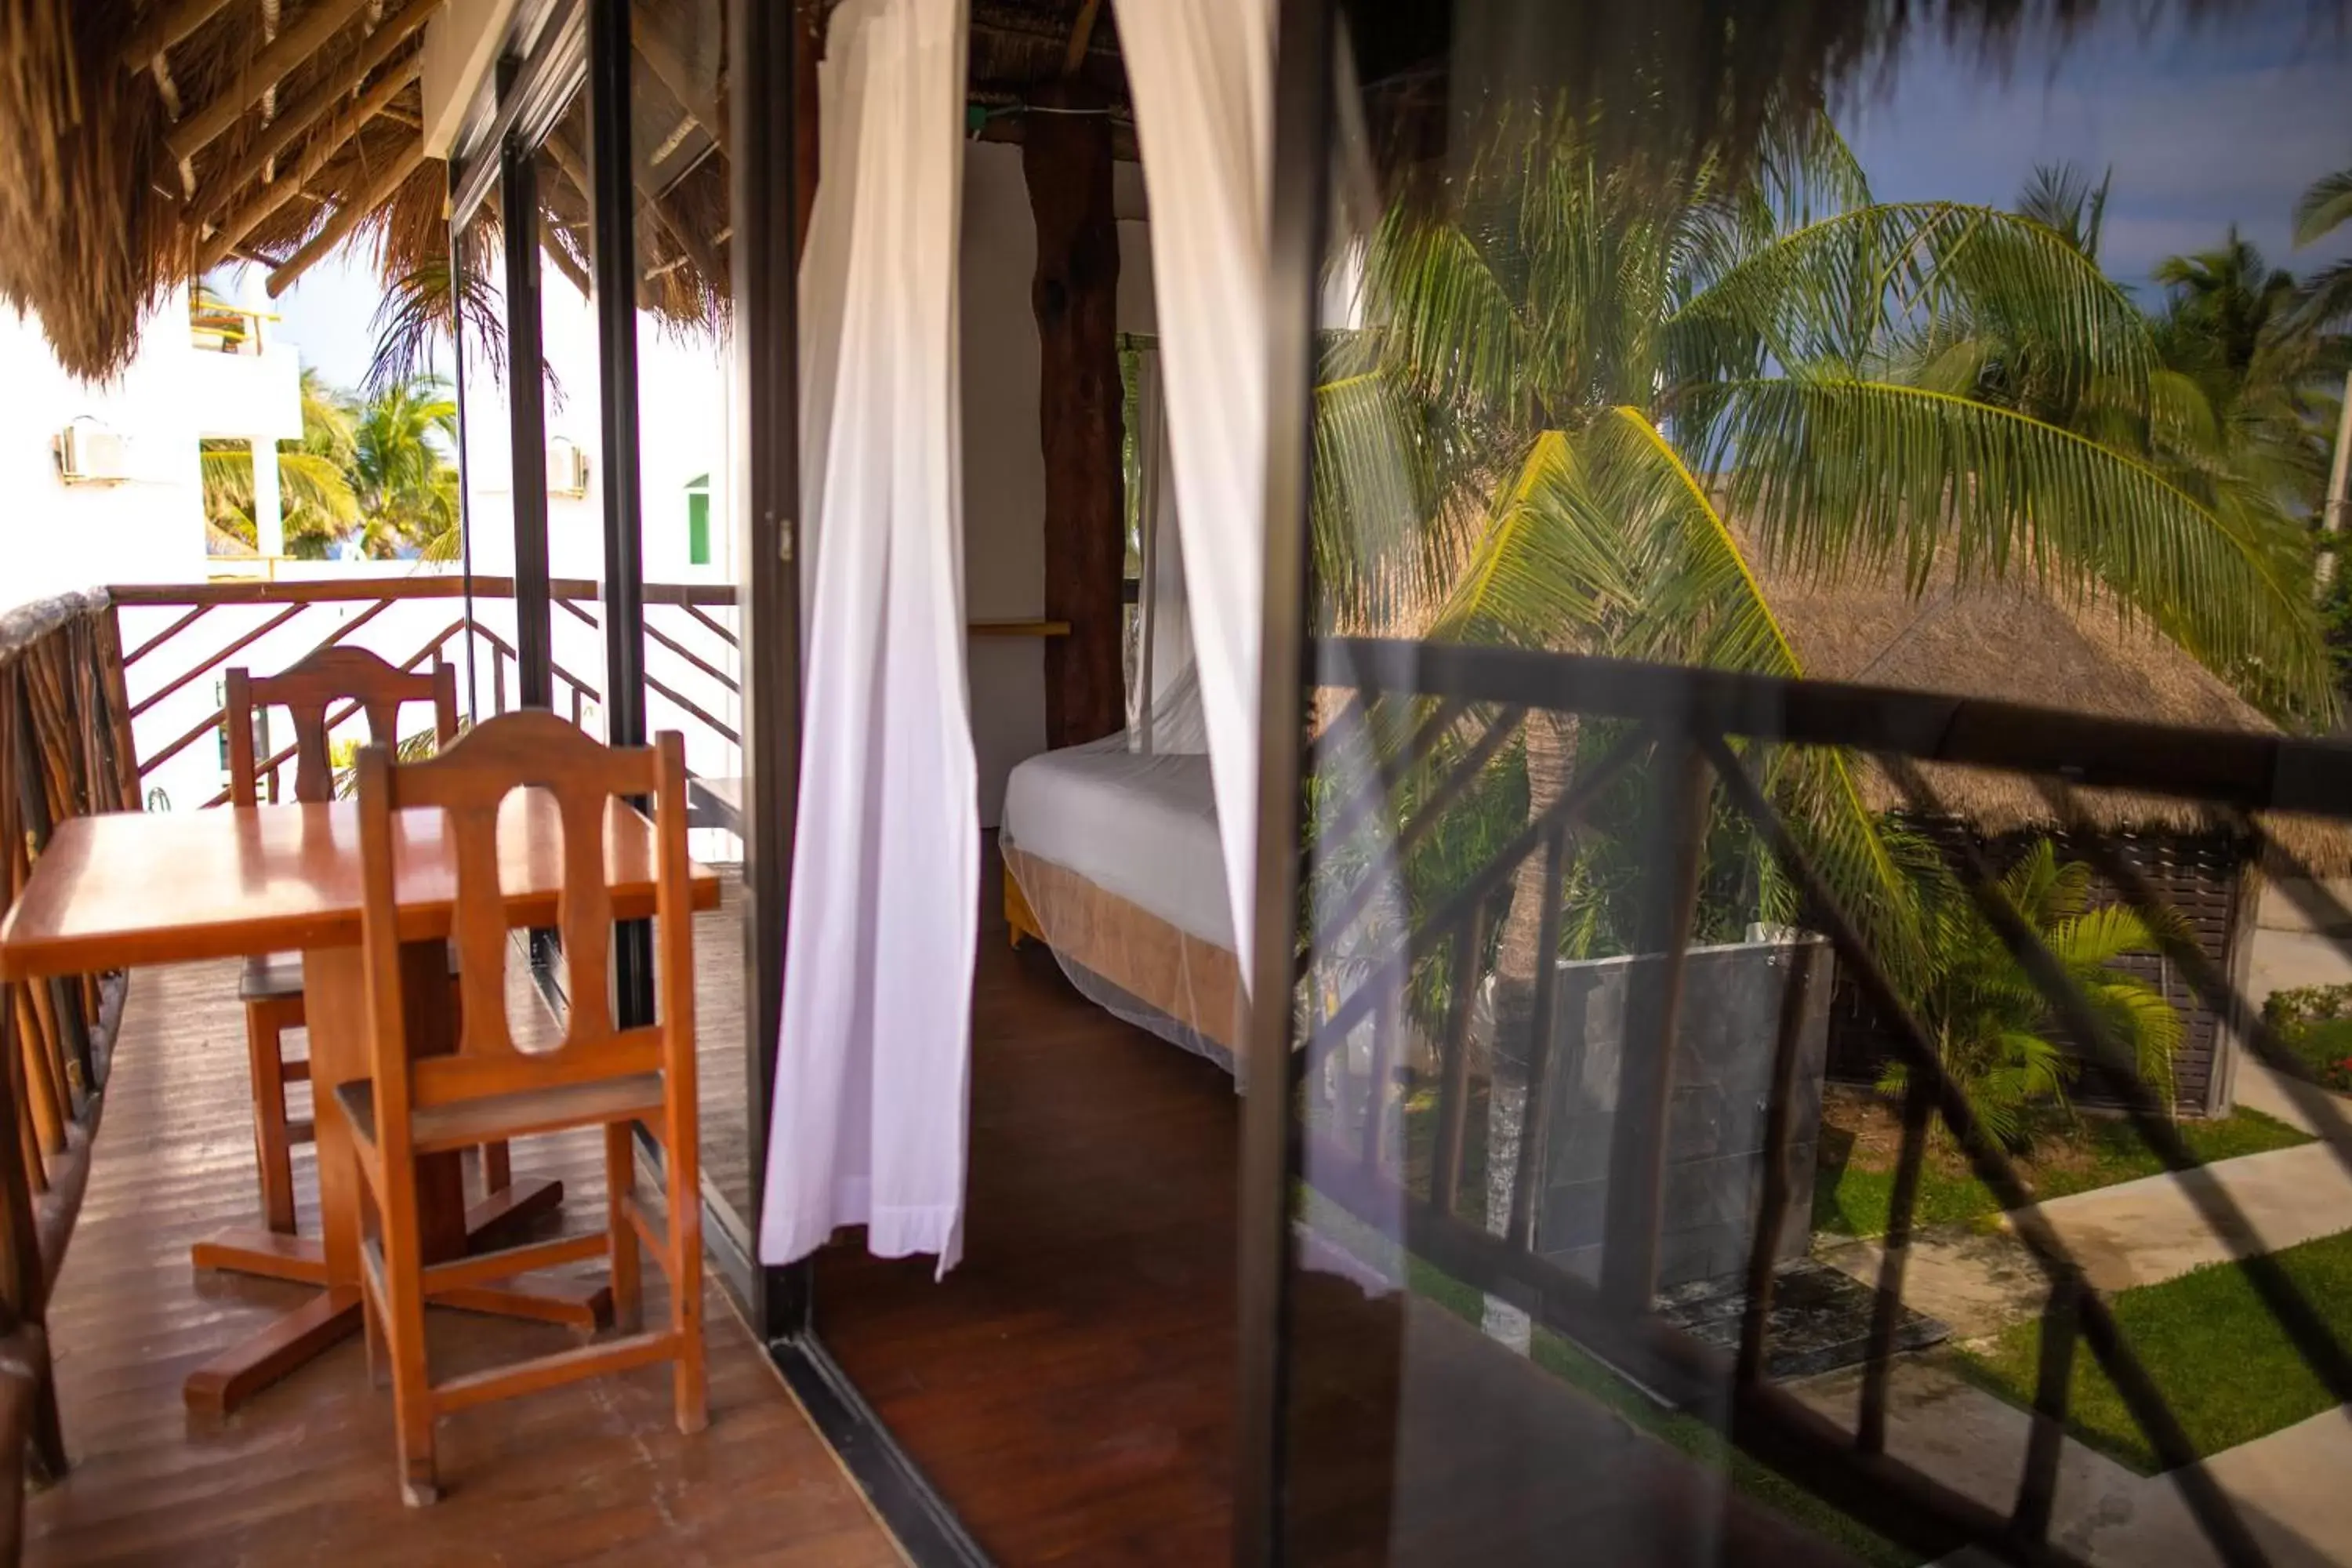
(598, 1076)
(317, 693)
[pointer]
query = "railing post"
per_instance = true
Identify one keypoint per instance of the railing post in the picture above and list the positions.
(113, 678)
(1637, 1143)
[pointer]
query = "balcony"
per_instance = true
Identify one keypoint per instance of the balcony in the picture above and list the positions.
(239, 381)
(1067, 1390)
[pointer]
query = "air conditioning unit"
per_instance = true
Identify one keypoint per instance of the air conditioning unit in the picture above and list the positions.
(567, 470)
(91, 455)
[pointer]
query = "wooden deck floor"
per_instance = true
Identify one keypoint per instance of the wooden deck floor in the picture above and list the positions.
(1069, 1388)
(593, 1473)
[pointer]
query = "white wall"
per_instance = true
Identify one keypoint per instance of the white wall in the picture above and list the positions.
(1004, 464)
(683, 386)
(148, 528)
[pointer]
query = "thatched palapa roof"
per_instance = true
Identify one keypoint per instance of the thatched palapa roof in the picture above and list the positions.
(2017, 641)
(142, 142)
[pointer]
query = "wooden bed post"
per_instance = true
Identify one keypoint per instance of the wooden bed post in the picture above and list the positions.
(1066, 155)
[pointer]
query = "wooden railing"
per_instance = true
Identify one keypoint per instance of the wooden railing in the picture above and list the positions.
(65, 751)
(1700, 743)
(689, 643)
(180, 634)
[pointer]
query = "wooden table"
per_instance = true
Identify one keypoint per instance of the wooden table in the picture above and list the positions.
(129, 889)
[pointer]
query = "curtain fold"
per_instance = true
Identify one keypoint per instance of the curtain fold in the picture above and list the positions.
(1202, 75)
(868, 1122)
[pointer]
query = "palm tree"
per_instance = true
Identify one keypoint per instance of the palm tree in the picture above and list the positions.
(2327, 302)
(315, 496)
(407, 488)
(2256, 412)
(1992, 1028)
(2061, 198)
(1595, 389)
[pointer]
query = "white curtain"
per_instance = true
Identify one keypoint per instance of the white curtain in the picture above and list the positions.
(1163, 709)
(868, 1123)
(1201, 73)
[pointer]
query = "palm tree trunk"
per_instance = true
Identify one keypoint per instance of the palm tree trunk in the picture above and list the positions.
(1551, 762)
(1550, 759)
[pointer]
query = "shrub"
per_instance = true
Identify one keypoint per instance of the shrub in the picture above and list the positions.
(2314, 1023)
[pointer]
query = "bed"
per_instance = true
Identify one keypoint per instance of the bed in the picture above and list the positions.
(1112, 859)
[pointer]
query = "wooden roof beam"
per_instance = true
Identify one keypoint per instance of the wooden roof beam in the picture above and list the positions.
(575, 168)
(266, 69)
(563, 257)
(298, 117)
(264, 202)
(166, 26)
(670, 69)
(348, 216)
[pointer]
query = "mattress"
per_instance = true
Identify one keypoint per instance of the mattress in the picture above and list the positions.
(1141, 829)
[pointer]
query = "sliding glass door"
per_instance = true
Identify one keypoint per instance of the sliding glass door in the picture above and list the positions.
(594, 186)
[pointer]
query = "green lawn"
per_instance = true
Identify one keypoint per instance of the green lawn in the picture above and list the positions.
(2226, 1369)
(1853, 1198)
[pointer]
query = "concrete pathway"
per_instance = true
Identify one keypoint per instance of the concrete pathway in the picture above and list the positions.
(2135, 1233)
(2288, 1487)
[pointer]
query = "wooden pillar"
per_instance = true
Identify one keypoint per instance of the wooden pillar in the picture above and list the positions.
(1067, 158)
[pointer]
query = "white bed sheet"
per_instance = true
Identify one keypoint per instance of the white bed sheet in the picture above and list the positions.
(1144, 827)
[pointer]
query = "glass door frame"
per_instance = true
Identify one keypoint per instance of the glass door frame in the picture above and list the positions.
(554, 47)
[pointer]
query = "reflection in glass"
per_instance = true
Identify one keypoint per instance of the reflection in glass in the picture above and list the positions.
(1655, 343)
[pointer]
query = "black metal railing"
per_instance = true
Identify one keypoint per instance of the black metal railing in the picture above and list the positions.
(1701, 736)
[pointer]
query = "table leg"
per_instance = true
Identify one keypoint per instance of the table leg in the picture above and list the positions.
(230, 1379)
(334, 988)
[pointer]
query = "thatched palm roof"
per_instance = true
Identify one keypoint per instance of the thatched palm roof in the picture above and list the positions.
(2017, 641)
(135, 136)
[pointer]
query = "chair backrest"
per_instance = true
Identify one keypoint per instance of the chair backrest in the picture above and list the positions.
(586, 785)
(320, 692)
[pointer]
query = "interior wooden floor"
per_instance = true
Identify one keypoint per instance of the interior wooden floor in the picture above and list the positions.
(1069, 1388)
(595, 1472)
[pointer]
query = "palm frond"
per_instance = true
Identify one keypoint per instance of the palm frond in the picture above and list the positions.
(2061, 197)
(1700, 600)
(318, 484)
(1381, 546)
(1549, 558)
(2323, 209)
(418, 313)
(2324, 302)
(1838, 470)
(1861, 288)
(1444, 313)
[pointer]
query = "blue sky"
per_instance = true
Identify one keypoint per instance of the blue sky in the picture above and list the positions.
(2227, 119)
(327, 313)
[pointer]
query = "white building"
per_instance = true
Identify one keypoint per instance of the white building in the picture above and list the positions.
(103, 480)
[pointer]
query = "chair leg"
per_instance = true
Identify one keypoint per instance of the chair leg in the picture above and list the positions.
(498, 1168)
(620, 1177)
(682, 1168)
(46, 1451)
(379, 1354)
(403, 1328)
(265, 1044)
